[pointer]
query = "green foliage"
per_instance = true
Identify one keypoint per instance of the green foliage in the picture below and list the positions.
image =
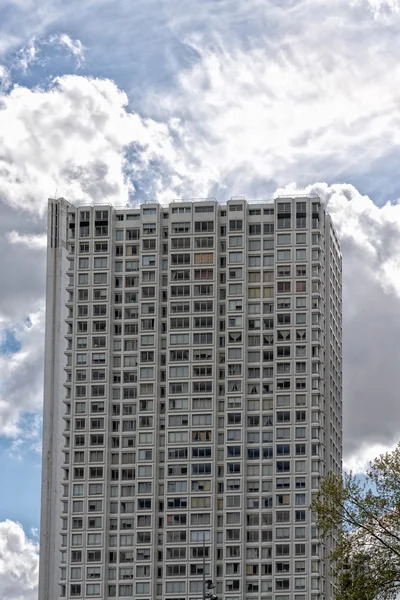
(363, 519)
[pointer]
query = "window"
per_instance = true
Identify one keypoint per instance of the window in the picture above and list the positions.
(203, 274)
(99, 278)
(255, 229)
(177, 339)
(203, 242)
(146, 372)
(149, 260)
(201, 403)
(202, 387)
(301, 271)
(283, 255)
(300, 549)
(235, 225)
(175, 355)
(100, 262)
(81, 359)
(283, 287)
(204, 226)
(76, 589)
(284, 239)
(203, 258)
(204, 419)
(180, 227)
(92, 589)
(254, 261)
(184, 290)
(204, 209)
(83, 295)
(284, 319)
(202, 322)
(181, 275)
(177, 436)
(179, 323)
(300, 499)
(301, 254)
(83, 263)
(177, 243)
(202, 338)
(99, 294)
(235, 241)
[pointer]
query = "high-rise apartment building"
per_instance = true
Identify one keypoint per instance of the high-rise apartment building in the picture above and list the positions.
(192, 399)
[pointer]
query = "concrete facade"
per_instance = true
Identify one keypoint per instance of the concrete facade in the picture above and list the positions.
(193, 399)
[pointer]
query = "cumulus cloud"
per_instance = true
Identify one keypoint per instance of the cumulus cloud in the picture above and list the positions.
(360, 461)
(34, 242)
(19, 563)
(22, 272)
(251, 112)
(21, 386)
(74, 137)
(372, 230)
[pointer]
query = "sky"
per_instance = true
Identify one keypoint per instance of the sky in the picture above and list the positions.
(117, 101)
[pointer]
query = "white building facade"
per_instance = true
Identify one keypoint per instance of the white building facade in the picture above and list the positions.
(193, 399)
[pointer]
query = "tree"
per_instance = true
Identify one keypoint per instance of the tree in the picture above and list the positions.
(363, 520)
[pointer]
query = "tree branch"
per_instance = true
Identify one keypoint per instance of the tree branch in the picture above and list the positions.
(376, 519)
(370, 532)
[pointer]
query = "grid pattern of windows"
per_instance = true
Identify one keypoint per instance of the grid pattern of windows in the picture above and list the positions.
(202, 398)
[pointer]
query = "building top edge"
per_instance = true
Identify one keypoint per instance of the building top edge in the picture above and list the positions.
(248, 201)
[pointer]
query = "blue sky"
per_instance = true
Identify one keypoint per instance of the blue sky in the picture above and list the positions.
(21, 475)
(9, 343)
(121, 101)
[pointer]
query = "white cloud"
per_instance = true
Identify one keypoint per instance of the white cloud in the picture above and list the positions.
(381, 8)
(28, 437)
(5, 80)
(75, 47)
(288, 102)
(27, 55)
(36, 51)
(306, 97)
(19, 563)
(360, 460)
(373, 231)
(22, 271)
(21, 386)
(26, 20)
(34, 242)
(72, 138)
(251, 113)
